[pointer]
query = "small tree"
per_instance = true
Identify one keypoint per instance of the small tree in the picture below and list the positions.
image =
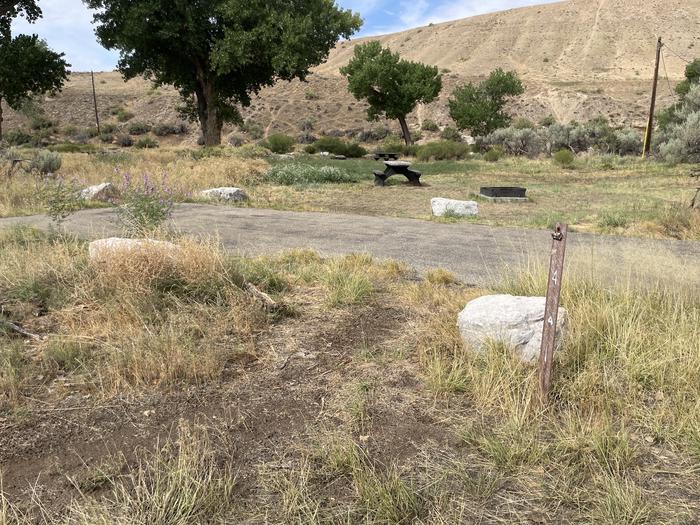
(391, 86)
(217, 53)
(480, 108)
(28, 68)
(692, 76)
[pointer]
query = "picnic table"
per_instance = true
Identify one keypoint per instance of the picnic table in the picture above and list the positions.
(385, 155)
(397, 167)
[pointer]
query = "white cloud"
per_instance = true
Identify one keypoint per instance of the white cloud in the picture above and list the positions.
(67, 27)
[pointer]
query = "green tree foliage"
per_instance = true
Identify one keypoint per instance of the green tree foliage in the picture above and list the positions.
(481, 108)
(11, 9)
(28, 68)
(219, 52)
(692, 76)
(391, 86)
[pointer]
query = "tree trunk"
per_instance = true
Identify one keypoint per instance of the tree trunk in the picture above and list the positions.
(209, 117)
(406, 131)
(0, 119)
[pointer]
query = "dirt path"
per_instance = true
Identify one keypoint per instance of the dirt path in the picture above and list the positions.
(477, 254)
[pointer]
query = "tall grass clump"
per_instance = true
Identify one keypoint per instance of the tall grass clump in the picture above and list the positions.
(183, 482)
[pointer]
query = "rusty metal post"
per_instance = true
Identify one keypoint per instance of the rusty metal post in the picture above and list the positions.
(551, 312)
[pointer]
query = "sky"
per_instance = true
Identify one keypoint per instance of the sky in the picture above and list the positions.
(67, 24)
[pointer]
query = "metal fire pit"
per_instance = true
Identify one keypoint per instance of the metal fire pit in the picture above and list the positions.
(504, 194)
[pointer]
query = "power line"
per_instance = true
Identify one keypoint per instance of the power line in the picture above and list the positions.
(663, 61)
(677, 55)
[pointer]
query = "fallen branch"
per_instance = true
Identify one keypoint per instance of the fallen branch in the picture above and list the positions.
(18, 330)
(265, 299)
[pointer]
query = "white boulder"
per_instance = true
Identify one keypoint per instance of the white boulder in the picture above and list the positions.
(104, 248)
(225, 194)
(515, 321)
(105, 192)
(442, 207)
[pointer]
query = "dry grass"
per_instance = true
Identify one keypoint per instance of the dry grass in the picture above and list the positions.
(625, 196)
(619, 443)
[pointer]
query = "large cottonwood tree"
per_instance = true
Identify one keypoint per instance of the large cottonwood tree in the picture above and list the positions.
(217, 53)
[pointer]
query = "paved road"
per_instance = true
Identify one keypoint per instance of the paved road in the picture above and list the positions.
(478, 254)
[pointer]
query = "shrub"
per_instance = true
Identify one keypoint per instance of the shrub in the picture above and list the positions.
(628, 142)
(253, 129)
(355, 151)
(108, 128)
(236, 140)
(547, 121)
(310, 149)
(163, 130)
(514, 141)
(293, 173)
(280, 143)
(494, 154)
(564, 158)
(430, 125)
(307, 125)
(306, 138)
(252, 151)
(144, 207)
(681, 141)
(42, 122)
(18, 137)
(311, 95)
(125, 141)
(451, 133)
(146, 143)
(61, 198)
(122, 114)
(139, 128)
(523, 123)
(337, 146)
(107, 138)
(46, 162)
(331, 145)
(442, 150)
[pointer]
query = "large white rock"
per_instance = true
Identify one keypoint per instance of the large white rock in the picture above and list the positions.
(225, 194)
(105, 192)
(104, 248)
(516, 321)
(442, 207)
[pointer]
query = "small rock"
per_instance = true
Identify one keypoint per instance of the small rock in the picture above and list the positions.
(516, 321)
(226, 194)
(339, 157)
(103, 248)
(442, 207)
(105, 192)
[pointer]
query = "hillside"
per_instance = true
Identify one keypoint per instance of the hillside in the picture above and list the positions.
(578, 58)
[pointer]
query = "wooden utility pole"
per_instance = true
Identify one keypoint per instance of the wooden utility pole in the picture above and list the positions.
(650, 122)
(94, 99)
(551, 311)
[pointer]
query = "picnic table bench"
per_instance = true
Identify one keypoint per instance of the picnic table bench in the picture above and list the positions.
(385, 155)
(397, 167)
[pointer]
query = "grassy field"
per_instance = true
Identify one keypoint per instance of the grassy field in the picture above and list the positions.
(162, 392)
(599, 194)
